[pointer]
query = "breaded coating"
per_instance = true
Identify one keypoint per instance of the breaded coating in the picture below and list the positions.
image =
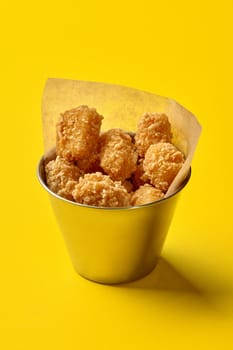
(78, 132)
(66, 192)
(146, 194)
(152, 128)
(100, 190)
(91, 164)
(118, 157)
(162, 163)
(62, 176)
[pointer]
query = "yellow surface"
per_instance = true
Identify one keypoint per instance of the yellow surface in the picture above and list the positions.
(177, 49)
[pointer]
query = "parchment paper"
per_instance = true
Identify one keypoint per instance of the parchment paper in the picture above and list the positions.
(121, 107)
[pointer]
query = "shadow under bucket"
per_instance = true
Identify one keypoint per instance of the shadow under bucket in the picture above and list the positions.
(113, 245)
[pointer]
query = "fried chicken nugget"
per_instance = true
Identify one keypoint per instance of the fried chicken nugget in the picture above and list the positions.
(91, 164)
(100, 190)
(146, 194)
(118, 156)
(62, 176)
(162, 163)
(78, 132)
(152, 128)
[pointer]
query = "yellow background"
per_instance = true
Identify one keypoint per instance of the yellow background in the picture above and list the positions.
(179, 49)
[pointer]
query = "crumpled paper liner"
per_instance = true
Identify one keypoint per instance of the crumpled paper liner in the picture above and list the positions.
(121, 107)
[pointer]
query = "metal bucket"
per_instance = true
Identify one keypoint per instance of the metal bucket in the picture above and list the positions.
(113, 245)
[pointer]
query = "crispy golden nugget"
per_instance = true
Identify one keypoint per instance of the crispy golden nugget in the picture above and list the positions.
(91, 164)
(100, 190)
(78, 132)
(152, 128)
(162, 163)
(62, 176)
(118, 157)
(68, 189)
(146, 194)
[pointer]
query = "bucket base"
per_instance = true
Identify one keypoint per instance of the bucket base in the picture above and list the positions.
(111, 281)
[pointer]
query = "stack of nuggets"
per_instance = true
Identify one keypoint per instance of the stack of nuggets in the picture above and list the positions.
(114, 168)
